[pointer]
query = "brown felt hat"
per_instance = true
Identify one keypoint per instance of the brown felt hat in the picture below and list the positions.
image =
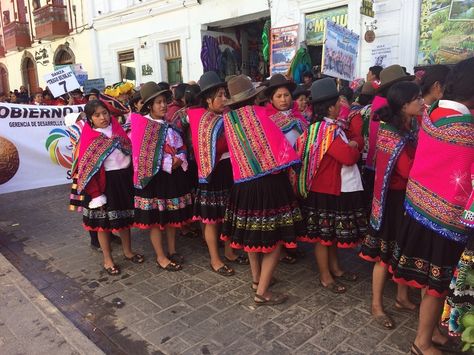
(151, 90)
(278, 80)
(241, 89)
(391, 75)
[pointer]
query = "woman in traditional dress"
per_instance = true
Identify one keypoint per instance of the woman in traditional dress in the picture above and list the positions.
(394, 155)
(214, 168)
(104, 172)
(300, 96)
(432, 236)
(331, 186)
(162, 195)
(262, 213)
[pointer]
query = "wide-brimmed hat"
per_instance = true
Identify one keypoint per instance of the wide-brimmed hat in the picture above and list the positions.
(241, 89)
(300, 90)
(278, 80)
(151, 90)
(323, 89)
(210, 80)
(391, 75)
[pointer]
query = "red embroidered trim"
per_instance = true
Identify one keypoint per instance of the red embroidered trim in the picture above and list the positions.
(162, 226)
(248, 249)
(327, 243)
(413, 283)
(207, 220)
(100, 229)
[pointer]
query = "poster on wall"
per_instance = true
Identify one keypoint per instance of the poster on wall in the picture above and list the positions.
(446, 31)
(340, 51)
(35, 148)
(315, 22)
(283, 47)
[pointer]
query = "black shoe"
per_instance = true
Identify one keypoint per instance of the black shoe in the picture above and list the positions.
(115, 239)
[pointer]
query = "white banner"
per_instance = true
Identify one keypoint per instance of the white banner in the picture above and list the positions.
(35, 149)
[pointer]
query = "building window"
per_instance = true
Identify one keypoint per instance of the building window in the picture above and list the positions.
(173, 62)
(126, 60)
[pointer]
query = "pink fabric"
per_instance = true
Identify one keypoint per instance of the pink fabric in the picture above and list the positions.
(378, 103)
(295, 112)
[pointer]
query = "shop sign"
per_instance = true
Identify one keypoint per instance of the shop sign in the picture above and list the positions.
(446, 31)
(283, 47)
(340, 50)
(315, 22)
(367, 8)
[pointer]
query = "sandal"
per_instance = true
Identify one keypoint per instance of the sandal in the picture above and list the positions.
(334, 287)
(241, 260)
(450, 346)
(276, 298)
(136, 259)
(415, 350)
(272, 282)
(114, 270)
(288, 260)
(224, 270)
(172, 266)
(347, 276)
(176, 258)
(384, 321)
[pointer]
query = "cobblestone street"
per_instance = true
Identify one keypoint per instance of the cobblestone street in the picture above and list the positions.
(150, 311)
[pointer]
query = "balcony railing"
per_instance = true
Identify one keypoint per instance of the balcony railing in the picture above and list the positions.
(17, 35)
(51, 22)
(2, 48)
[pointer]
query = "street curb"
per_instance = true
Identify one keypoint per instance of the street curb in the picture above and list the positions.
(74, 337)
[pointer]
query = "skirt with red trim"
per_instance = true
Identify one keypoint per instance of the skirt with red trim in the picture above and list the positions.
(262, 214)
(165, 201)
(192, 175)
(461, 294)
(330, 219)
(211, 198)
(422, 258)
(118, 213)
(377, 246)
(76, 200)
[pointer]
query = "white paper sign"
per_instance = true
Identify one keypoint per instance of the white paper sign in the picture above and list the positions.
(61, 81)
(382, 55)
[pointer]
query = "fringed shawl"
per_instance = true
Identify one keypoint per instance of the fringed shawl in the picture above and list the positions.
(257, 146)
(148, 140)
(390, 144)
(287, 122)
(75, 131)
(206, 128)
(311, 148)
(95, 147)
(439, 185)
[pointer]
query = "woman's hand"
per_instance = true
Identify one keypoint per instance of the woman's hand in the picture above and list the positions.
(176, 163)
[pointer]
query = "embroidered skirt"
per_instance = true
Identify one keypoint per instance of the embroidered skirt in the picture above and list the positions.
(461, 295)
(330, 219)
(211, 198)
(118, 213)
(422, 258)
(262, 214)
(76, 200)
(165, 201)
(378, 245)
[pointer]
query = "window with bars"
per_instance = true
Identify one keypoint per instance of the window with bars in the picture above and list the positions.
(172, 50)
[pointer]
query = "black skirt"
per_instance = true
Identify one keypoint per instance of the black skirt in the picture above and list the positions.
(331, 219)
(118, 213)
(422, 258)
(378, 245)
(211, 198)
(164, 202)
(262, 214)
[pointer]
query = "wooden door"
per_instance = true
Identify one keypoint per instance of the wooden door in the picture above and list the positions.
(174, 71)
(4, 84)
(31, 76)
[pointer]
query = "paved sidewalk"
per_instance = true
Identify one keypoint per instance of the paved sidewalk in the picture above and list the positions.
(150, 311)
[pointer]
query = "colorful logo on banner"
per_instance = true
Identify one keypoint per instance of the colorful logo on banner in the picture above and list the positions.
(59, 148)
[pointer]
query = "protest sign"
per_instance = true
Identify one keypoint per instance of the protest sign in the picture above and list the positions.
(35, 149)
(78, 70)
(340, 51)
(61, 81)
(283, 46)
(90, 84)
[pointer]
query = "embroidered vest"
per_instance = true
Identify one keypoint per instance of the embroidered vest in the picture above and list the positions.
(257, 146)
(439, 184)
